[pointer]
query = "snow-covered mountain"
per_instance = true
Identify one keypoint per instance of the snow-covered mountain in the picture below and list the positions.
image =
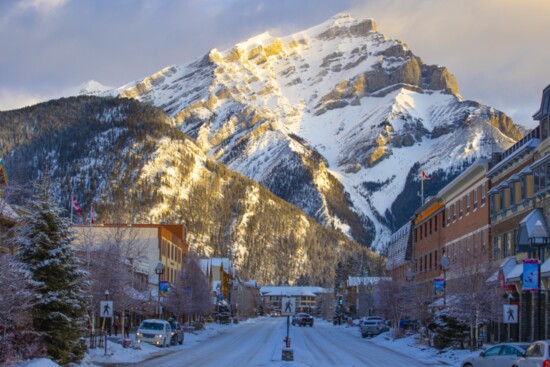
(336, 119)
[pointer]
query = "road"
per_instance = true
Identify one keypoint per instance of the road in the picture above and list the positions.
(261, 343)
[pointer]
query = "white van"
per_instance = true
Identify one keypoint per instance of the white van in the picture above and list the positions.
(154, 331)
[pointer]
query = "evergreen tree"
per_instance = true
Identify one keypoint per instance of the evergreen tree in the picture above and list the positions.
(44, 242)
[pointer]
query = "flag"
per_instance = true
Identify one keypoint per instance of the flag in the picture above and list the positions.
(76, 206)
(425, 176)
(92, 215)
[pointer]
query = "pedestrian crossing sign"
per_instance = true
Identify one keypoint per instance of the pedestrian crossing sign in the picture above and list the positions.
(510, 314)
(288, 306)
(106, 309)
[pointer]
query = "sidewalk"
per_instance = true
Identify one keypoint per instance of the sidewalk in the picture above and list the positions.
(409, 345)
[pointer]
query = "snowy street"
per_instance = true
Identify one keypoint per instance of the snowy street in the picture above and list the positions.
(260, 343)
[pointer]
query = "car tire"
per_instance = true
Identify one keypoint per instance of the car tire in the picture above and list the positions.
(468, 365)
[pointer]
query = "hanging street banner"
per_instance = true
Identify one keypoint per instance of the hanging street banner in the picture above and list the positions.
(510, 314)
(530, 275)
(164, 288)
(439, 287)
(106, 309)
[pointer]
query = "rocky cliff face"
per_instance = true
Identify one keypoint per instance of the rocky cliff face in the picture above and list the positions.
(331, 119)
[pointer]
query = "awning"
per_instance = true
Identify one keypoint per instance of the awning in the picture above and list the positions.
(526, 228)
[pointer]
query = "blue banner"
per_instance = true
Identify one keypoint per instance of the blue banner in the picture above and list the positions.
(530, 275)
(439, 287)
(164, 288)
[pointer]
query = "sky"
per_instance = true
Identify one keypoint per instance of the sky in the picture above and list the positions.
(497, 49)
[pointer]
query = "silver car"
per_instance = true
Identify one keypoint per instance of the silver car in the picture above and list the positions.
(537, 355)
(500, 355)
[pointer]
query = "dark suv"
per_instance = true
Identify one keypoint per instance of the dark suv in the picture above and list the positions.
(302, 319)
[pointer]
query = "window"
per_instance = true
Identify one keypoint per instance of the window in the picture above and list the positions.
(430, 261)
(435, 259)
(460, 208)
(483, 194)
(497, 247)
(448, 216)
(421, 264)
(416, 235)
(435, 223)
(468, 203)
(430, 225)
(454, 212)
(475, 199)
(501, 199)
(523, 193)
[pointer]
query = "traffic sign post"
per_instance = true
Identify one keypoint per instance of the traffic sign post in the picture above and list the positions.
(288, 307)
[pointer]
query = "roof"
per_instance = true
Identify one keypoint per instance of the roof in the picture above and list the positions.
(515, 156)
(7, 211)
(544, 109)
(358, 281)
(289, 291)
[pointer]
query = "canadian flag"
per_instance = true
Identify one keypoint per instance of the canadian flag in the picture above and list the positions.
(92, 215)
(425, 176)
(76, 206)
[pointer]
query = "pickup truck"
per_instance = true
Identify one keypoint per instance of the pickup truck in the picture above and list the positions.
(372, 327)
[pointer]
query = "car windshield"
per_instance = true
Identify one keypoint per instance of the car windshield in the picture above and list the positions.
(152, 326)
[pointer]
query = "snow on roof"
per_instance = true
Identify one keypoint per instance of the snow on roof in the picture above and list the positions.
(290, 291)
(6, 210)
(530, 145)
(516, 273)
(545, 268)
(357, 281)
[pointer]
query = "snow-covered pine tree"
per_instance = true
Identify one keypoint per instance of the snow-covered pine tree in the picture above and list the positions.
(44, 242)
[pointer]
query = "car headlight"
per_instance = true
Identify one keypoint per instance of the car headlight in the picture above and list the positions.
(138, 334)
(160, 336)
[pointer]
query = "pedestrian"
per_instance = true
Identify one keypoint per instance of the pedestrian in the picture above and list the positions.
(126, 328)
(116, 325)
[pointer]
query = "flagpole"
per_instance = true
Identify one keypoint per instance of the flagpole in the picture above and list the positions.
(422, 188)
(71, 204)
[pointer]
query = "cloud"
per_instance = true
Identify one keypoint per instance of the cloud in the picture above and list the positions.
(495, 48)
(45, 6)
(10, 99)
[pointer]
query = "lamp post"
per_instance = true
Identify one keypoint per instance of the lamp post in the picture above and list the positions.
(445, 266)
(105, 330)
(539, 240)
(159, 269)
(218, 292)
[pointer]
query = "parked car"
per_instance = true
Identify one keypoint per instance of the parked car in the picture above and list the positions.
(154, 331)
(177, 332)
(223, 318)
(501, 355)
(302, 319)
(372, 327)
(537, 355)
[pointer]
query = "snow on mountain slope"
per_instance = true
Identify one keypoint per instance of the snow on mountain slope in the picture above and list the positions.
(332, 119)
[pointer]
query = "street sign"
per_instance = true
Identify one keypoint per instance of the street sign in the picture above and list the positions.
(106, 309)
(510, 314)
(288, 306)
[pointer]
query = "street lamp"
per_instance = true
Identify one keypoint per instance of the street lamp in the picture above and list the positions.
(445, 266)
(159, 269)
(409, 274)
(539, 240)
(218, 292)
